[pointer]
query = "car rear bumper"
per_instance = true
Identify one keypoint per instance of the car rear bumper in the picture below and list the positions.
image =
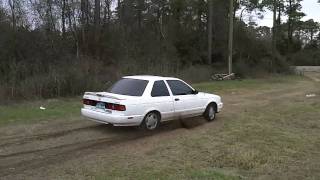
(116, 120)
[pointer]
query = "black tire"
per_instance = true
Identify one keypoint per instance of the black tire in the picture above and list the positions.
(210, 112)
(149, 120)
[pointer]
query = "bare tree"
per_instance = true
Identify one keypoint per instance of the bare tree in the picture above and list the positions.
(13, 14)
(63, 17)
(210, 19)
(107, 12)
(97, 13)
(96, 24)
(140, 7)
(230, 43)
(73, 28)
(49, 16)
(274, 31)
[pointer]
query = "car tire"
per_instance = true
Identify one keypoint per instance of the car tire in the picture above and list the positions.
(151, 121)
(210, 112)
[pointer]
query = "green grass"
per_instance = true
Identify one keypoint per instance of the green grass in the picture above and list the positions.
(155, 174)
(30, 112)
(255, 84)
(278, 139)
(273, 137)
(211, 174)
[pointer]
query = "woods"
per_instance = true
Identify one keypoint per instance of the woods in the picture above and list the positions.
(63, 47)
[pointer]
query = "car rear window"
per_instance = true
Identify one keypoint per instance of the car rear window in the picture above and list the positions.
(129, 87)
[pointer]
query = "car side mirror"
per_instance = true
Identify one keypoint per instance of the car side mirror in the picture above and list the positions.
(195, 91)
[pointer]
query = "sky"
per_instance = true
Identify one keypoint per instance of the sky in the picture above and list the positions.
(310, 7)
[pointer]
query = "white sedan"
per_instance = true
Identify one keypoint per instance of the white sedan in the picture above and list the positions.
(148, 100)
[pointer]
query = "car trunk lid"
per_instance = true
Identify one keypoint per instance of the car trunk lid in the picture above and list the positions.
(105, 102)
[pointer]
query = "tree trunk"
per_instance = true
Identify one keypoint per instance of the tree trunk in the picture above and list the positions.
(109, 10)
(199, 14)
(13, 14)
(51, 24)
(14, 24)
(160, 18)
(83, 7)
(96, 25)
(139, 12)
(279, 15)
(74, 33)
(235, 8)
(87, 12)
(274, 32)
(230, 44)
(290, 31)
(119, 12)
(105, 12)
(210, 19)
(97, 13)
(63, 18)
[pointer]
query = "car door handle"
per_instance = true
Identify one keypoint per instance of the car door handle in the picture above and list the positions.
(177, 99)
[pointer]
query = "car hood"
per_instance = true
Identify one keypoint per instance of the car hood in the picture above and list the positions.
(208, 95)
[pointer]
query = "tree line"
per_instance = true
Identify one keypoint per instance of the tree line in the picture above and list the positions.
(55, 48)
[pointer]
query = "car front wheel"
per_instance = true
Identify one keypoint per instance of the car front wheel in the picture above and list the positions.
(151, 121)
(210, 113)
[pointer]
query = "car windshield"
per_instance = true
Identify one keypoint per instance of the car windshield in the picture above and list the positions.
(129, 87)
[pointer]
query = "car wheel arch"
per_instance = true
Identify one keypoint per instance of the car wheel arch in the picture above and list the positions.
(153, 110)
(214, 104)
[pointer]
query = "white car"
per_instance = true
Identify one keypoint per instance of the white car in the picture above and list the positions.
(148, 100)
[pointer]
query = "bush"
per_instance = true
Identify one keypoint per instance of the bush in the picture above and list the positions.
(196, 73)
(306, 57)
(73, 77)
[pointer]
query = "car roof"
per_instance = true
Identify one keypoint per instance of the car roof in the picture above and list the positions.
(150, 77)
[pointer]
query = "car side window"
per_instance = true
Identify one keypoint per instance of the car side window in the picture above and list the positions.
(159, 89)
(179, 88)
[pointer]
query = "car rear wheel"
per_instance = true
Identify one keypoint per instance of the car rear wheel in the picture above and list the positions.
(151, 121)
(210, 113)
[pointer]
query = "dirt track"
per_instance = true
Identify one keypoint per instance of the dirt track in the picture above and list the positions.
(37, 146)
(30, 150)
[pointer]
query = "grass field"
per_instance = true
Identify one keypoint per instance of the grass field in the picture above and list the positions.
(269, 129)
(29, 112)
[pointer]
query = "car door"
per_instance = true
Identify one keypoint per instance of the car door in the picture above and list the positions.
(186, 102)
(162, 100)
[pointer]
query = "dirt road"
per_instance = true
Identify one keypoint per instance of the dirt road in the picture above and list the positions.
(312, 75)
(30, 148)
(50, 148)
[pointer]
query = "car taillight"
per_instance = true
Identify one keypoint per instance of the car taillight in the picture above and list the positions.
(89, 102)
(120, 107)
(116, 107)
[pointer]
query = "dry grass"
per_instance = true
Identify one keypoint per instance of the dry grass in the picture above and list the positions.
(268, 130)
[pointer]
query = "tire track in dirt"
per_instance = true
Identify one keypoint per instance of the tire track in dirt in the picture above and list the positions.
(315, 76)
(37, 158)
(55, 155)
(18, 140)
(44, 150)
